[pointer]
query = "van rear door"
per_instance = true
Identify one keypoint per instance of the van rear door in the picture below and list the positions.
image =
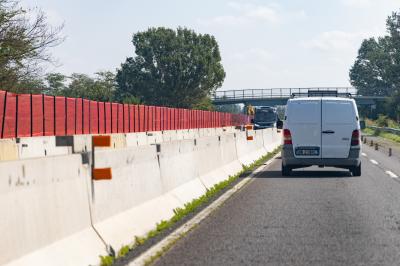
(304, 120)
(338, 123)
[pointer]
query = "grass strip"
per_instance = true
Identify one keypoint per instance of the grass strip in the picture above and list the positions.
(190, 207)
(382, 134)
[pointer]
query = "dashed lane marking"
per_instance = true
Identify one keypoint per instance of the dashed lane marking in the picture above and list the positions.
(391, 174)
(364, 154)
(373, 161)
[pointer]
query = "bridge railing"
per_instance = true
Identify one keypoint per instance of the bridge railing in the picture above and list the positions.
(272, 93)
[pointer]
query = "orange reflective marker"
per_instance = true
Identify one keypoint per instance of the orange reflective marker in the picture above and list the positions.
(102, 141)
(101, 174)
(249, 127)
(249, 137)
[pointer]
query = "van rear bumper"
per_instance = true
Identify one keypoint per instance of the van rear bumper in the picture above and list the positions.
(288, 159)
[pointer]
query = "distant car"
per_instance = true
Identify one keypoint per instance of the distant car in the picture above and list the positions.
(322, 131)
(264, 117)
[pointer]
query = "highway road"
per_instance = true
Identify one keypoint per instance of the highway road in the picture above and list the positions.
(316, 217)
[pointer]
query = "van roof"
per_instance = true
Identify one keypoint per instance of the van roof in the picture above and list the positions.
(322, 98)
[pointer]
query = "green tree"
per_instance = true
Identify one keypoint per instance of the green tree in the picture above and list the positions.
(377, 67)
(172, 68)
(55, 83)
(100, 88)
(230, 108)
(25, 40)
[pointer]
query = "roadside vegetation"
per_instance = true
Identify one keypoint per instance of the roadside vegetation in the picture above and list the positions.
(382, 121)
(190, 207)
(376, 71)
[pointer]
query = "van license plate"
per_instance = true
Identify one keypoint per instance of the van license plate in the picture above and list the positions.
(307, 151)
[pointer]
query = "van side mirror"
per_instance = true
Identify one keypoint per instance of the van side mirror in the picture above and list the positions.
(362, 124)
(279, 124)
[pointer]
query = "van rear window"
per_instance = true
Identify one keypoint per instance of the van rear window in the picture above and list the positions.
(304, 112)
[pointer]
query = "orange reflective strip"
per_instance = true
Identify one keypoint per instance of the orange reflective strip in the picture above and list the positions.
(249, 127)
(102, 141)
(250, 138)
(102, 174)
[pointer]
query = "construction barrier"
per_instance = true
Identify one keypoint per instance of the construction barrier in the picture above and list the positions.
(30, 115)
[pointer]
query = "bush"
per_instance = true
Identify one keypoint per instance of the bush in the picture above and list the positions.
(382, 121)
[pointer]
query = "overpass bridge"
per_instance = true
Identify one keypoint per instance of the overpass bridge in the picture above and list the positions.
(279, 96)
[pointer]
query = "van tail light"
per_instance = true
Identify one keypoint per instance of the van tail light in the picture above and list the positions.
(287, 137)
(355, 138)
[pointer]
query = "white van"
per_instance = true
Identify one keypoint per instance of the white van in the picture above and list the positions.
(323, 131)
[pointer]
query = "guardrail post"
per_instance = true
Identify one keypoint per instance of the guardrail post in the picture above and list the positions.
(390, 152)
(371, 143)
(376, 146)
(365, 140)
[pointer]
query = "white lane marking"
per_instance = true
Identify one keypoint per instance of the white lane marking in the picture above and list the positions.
(373, 161)
(391, 174)
(364, 154)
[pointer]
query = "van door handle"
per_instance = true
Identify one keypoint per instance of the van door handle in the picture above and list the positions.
(328, 132)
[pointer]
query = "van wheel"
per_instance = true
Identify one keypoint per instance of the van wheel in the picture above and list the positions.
(286, 170)
(356, 171)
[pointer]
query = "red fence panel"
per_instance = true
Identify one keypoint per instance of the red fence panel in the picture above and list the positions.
(79, 116)
(132, 117)
(120, 118)
(24, 115)
(10, 116)
(108, 117)
(114, 117)
(2, 105)
(125, 108)
(141, 118)
(94, 117)
(60, 116)
(151, 118)
(70, 116)
(37, 115)
(86, 116)
(137, 118)
(102, 118)
(49, 115)
(156, 118)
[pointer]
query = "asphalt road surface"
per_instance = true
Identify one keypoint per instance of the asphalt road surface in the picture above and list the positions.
(316, 217)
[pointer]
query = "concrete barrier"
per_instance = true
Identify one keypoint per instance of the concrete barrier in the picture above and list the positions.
(42, 202)
(136, 181)
(179, 170)
(56, 215)
(230, 161)
(209, 158)
(8, 150)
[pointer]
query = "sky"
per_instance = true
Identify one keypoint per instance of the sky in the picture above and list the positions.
(263, 44)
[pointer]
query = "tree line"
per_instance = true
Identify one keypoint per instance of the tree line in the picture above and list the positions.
(376, 70)
(176, 68)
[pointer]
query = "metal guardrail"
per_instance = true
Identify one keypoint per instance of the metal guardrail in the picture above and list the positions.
(386, 129)
(274, 93)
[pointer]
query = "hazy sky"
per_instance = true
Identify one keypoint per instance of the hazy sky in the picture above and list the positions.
(263, 43)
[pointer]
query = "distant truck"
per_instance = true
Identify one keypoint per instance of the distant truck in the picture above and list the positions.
(264, 117)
